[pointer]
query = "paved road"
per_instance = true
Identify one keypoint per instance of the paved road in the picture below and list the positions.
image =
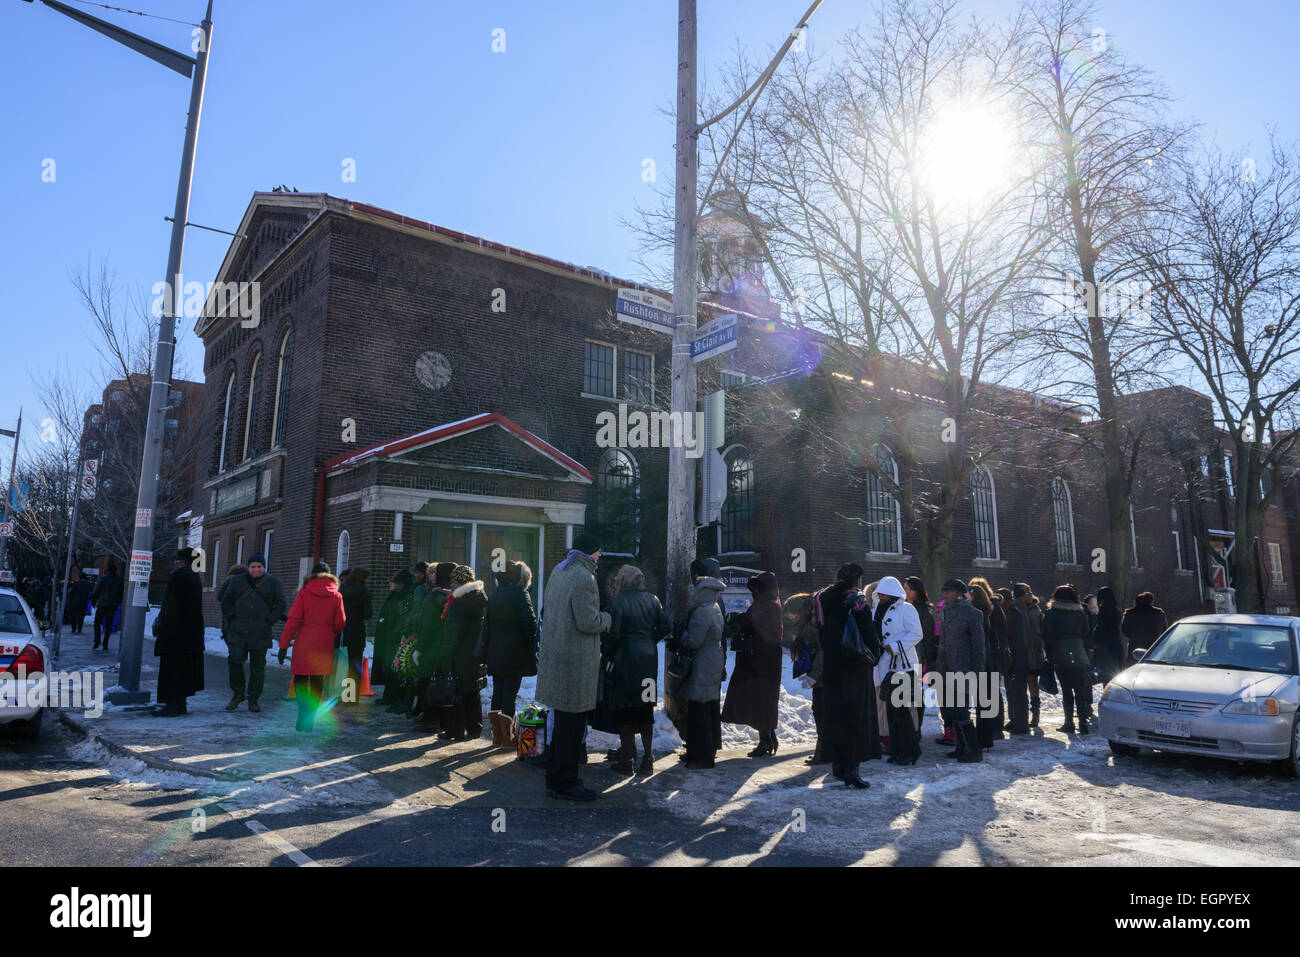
(413, 800)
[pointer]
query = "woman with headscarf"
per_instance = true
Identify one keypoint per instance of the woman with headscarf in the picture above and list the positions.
(389, 633)
(755, 686)
(509, 644)
(638, 623)
(850, 709)
(898, 672)
(989, 726)
(314, 620)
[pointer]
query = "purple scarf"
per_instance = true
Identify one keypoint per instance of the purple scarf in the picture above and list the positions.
(569, 559)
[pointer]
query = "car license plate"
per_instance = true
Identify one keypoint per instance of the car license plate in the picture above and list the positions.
(1176, 727)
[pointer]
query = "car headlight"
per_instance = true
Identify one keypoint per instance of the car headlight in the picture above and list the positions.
(1117, 693)
(1256, 706)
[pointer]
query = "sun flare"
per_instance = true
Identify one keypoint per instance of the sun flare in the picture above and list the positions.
(967, 155)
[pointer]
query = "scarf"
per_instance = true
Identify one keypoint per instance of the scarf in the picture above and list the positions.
(569, 559)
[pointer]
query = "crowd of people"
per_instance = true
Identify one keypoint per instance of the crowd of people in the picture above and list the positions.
(869, 652)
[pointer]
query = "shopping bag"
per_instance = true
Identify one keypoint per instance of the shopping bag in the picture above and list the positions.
(334, 681)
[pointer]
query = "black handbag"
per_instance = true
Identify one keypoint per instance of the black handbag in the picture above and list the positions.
(441, 691)
(602, 719)
(853, 645)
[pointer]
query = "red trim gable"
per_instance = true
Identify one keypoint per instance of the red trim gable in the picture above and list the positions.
(451, 430)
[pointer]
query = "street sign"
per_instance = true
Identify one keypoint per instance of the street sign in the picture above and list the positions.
(396, 547)
(645, 309)
(6, 529)
(716, 337)
(89, 478)
(142, 517)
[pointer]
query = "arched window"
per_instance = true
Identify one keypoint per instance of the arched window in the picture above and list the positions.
(250, 416)
(225, 423)
(984, 510)
(618, 505)
(344, 553)
(1063, 514)
(738, 509)
(884, 525)
(282, 389)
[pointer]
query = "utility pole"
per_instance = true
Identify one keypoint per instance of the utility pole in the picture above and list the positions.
(9, 495)
(137, 598)
(681, 470)
(194, 68)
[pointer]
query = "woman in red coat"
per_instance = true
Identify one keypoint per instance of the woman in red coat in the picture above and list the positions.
(314, 620)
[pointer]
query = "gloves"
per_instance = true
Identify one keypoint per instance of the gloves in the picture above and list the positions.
(806, 681)
(280, 655)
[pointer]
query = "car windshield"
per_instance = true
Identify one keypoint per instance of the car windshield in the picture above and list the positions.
(1222, 645)
(13, 620)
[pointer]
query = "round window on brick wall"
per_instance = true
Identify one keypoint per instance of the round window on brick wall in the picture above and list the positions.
(433, 371)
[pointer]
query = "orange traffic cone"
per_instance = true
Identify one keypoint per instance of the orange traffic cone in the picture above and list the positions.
(292, 690)
(365, 691)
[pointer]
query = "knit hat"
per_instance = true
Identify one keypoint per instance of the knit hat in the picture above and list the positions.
(320, 568)
(257, 557)
(705, 567)
(957, 585)
(586, 543)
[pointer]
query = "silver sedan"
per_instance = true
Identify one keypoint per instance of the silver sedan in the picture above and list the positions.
(1226, 686)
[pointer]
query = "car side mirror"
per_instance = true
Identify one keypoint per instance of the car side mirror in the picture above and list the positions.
(1139, 653)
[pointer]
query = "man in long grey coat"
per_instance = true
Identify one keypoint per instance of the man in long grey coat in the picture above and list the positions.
(568, 667)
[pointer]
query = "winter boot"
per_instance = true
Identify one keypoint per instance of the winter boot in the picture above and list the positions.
(253, 705)
(948, 738)
(1083, 725)
(1034, 705)
(494, 720)
(972, 753)
(961, 743)
(235, 701)
(1068, 727)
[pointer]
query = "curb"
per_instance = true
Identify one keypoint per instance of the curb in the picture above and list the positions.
(121, 750)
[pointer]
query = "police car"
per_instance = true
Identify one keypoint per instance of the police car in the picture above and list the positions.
(22, 652)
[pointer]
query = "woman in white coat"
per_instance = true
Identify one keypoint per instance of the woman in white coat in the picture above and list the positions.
(898, 673)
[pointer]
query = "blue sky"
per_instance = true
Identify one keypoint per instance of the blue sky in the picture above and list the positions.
(540, 146)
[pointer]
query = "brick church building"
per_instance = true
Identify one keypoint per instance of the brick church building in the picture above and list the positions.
(415, 393)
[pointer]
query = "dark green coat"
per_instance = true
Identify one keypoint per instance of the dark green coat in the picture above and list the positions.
(390, 628)
(250, 608)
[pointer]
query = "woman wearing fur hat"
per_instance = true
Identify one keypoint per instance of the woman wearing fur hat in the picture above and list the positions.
(462, 620)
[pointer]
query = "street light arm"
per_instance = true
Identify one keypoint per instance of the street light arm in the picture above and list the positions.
(180, 62)
(762, 77)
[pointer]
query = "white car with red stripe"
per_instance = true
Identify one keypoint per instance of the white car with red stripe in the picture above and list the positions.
(22, 652)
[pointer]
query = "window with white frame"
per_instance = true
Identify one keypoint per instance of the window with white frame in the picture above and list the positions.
(216, 560)
(638, 376)
(1063, 517)
(250, 417)
(225, 423)
(239, 549)
(598, 369)
(1275, 562)
(266, 545)
(984, 511)
(343, 554)
(618, 506)
(738, 509)
(884, 525)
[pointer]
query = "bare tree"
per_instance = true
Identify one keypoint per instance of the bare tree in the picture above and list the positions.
(1106, 148)
(918, 293)
(1227, 297)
